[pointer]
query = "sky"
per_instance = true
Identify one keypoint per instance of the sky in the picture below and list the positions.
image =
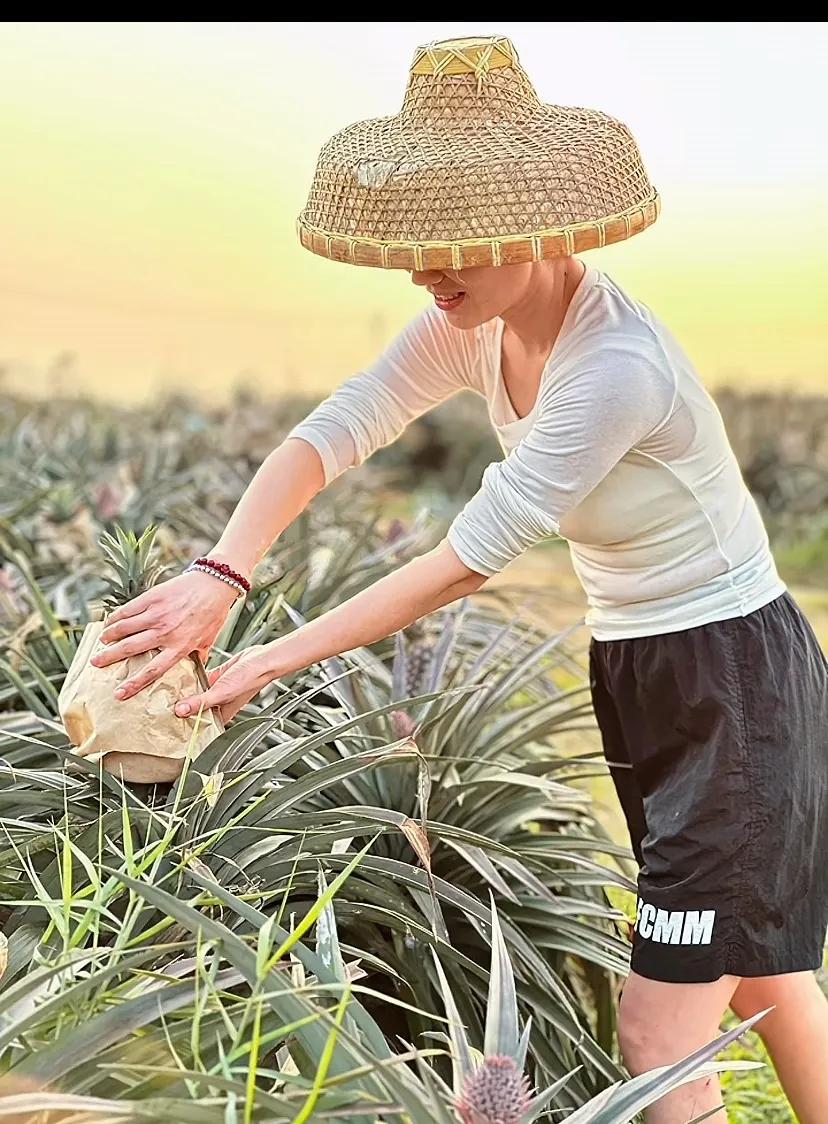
(153, 172)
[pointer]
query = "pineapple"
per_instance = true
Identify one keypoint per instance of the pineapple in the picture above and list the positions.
(420, 659)
(139, 739)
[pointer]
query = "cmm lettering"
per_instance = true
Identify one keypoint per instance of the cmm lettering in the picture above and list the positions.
(675, 926)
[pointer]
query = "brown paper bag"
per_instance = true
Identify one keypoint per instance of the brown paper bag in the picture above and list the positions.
(140, 739)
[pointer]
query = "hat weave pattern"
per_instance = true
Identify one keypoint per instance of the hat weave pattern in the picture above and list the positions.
(475, 170)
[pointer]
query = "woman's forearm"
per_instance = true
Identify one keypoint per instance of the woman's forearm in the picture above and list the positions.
(285, 483)
(394, 602)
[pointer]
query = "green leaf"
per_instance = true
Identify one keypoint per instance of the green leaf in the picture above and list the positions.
(502, 1031)
(306, 1111)
(461, 1055)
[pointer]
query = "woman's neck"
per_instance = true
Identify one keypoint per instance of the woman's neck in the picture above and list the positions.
(537, 317)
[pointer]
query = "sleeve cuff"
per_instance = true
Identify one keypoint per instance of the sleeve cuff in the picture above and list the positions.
(333, 456)
(465, 551)
(491, 531)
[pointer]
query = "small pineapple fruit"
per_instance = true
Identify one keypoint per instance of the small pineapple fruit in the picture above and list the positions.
(495, 1093)
(139, 739)
(419, 658)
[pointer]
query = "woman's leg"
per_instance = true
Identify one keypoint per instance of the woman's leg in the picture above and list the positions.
(796, 1035)
(661, 1023)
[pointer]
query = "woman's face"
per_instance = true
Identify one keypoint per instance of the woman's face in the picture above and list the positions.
(470, 297)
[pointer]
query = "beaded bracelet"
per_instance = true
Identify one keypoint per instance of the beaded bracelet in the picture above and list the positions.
(221, 571)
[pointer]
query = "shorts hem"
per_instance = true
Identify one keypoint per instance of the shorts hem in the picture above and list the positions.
(711, 971)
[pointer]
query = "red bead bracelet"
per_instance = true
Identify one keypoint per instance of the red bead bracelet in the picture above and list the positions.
(222, 569)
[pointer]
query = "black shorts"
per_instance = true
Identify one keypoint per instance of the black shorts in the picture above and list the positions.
(717, 740)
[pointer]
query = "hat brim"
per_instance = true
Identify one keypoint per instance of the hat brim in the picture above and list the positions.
(466, 253)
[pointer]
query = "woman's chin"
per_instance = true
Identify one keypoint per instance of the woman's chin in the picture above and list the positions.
(461, 317)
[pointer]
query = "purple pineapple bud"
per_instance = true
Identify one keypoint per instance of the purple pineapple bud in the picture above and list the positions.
(395, 531)
(496, 1093)
(403, 724)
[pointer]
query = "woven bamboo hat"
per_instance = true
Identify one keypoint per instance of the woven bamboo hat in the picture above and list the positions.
(475, 170)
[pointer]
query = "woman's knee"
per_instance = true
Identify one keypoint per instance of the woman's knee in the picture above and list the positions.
(660, 1023)
(636, 1040)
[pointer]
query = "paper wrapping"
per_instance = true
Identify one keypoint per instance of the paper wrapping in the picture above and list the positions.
(140, 739)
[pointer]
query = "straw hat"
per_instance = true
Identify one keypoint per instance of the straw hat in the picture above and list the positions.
(475, 170)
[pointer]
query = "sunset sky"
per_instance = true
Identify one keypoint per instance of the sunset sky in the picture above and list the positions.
(152, 174)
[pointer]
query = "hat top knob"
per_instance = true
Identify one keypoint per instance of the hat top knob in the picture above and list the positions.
(474, 55)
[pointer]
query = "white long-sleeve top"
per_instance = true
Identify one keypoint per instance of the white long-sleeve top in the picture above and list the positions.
(624, 455)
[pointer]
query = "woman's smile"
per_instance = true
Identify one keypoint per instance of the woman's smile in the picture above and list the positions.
(447, 302)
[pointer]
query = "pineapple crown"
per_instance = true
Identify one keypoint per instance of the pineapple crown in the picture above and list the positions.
(132, 569)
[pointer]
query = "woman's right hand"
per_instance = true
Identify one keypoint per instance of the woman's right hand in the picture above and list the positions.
(182, 615)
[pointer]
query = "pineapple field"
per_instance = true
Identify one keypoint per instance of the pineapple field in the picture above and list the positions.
(382, 893)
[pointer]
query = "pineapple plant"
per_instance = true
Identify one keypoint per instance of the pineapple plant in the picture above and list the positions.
(140, 739)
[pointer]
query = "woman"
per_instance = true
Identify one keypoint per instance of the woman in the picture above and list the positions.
(709, 686)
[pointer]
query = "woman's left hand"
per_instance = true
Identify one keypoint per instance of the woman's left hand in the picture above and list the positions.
(233, 684)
